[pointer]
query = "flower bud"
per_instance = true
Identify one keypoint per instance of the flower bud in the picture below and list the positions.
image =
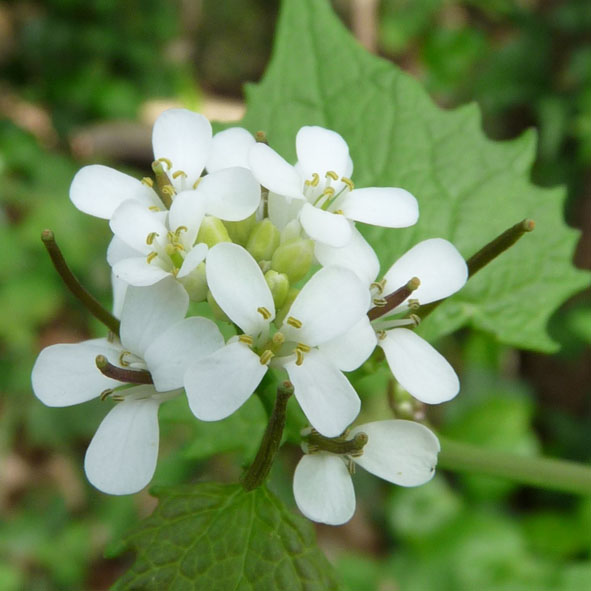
(292, 231)
(294, 259)
(240, 231)
(263, 240)
(279, 285)
(195, 283)
(212, 231)
(283, 311)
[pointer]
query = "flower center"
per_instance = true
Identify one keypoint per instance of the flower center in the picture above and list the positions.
(169, 250)
(327, 194)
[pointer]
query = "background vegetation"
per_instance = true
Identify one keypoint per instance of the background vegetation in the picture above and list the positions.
(81, 83)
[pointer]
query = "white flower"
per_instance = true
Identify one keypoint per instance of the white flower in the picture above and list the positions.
(320, 193)
(156, 338)
(415, 364)
(332, 302)
(401, 452)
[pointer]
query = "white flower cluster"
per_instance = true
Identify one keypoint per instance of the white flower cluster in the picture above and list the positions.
(247, 237)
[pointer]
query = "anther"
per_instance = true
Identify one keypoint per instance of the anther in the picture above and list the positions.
(150, 237)
(339, 212)
(329, 192)
(299, 356)
(151, 256)
(379, 302)
(294, 322)
(315, 180)
(122, 359)
(244, 338)
(333, 175)
(416, 319)
(196, 183)
(266, 357)
(264, 312)
(148, 181)
(303, 348)
(180, 229)
(413, 304)
(378, 286)
(106, 393)
(154, 208)
(165, 161)
(178, 173)
(381, 334)
(168, 190)
(348, 182)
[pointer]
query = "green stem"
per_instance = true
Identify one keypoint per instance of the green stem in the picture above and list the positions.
(77, 289)
(486, 254)
(547, 473)
(259, 469)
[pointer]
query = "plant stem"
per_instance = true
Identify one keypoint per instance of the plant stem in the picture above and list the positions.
(259, 469)
(77, 289)
(486, 254)
(549, 473)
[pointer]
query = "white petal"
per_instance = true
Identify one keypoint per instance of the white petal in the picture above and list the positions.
(418, 367)
(239, 287)
(283, 210)
(357, 255)
(230, 148)
(171, 353)
(349, 350)
(149, 311)
(221, 383)
(187, 210)
(137, 271)
(119, 291)
(326, 227)
(99, 190)
(327, 398)
(193, 259)
(67, 374)
(273, 172)
(381, 206)
(332, 301)
(437, 263)
(132, 222)
(402, 452)
(122, 455)
(323, 489)
(230, 194)
(184, 138)
(320, 150)
(119, 250)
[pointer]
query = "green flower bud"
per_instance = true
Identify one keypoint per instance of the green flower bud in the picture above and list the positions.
(212, 231)
(195, 283)
(263, 240)
(218, 313)
(282, 312)
(294, 259)
(240, 231)
(279, 285)
(292, 231)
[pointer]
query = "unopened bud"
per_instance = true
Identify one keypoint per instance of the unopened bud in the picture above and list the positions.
(240, 231)
(195, 283)
(212, 231)
(292, 231)
(294, 259)
(282, 312)
(263, 240)
(279, 285)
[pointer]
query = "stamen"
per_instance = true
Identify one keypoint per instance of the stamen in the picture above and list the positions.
(264, 312)
(329, 191)
(416, 319)
(378, 286)
(266, 357)
(168, 190)
(106, 393)
(303, 348)
(339, 212)
(299, 356)
(180, 229)
(333, 175)
(178, 173)
(122, 359)
(348, 182)
(381, 334)
(413, 304)
(165, 161)
(294, 322)
(244, 338)
(151, 256)
(380, 302)
(148, 181)
(154, 208)
(315, 180)
(150, 238)
(196, 183)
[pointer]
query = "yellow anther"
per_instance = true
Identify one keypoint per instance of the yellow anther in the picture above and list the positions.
(315, 180)
(196, 183)
(244, 338)
(413, 304)
(105, 394)
(416, 319)
(380, 302)
(378, 285)
(264, 312)
(266, 357)
(299, 357)
(348, 182)
(333, 175)
(165, 161)
(339, 212)
(150, 237)
(178, 173)
(168, 190)
(154, 208)
(148, 181)
(180, 229)
(328, 191)
(278, 338)
(294, 322)
(178, 246)
(122, 359)
(381, 334)
(151, 256)
(303, 348)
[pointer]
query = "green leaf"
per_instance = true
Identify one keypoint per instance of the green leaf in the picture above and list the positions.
(469, 188)
(214, 537)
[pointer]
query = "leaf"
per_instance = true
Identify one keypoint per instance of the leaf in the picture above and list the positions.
(217, 537)
(469, 188)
